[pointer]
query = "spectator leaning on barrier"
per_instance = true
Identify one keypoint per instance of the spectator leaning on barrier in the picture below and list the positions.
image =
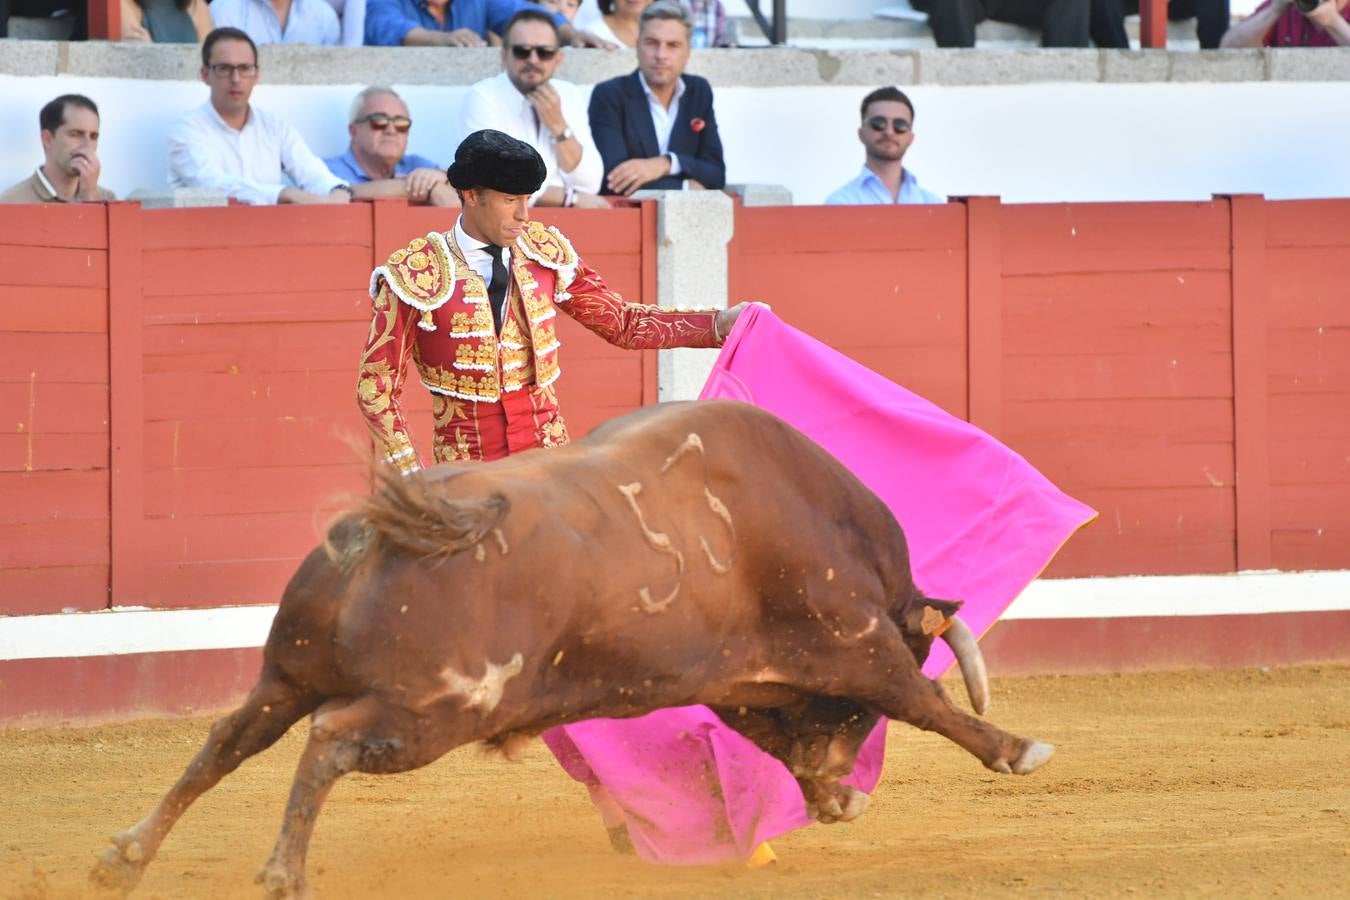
(282, 22)
(528, 103)
(165, 21)
(1107, 25)
(565, 8)
(1063, 23)
(655, 128)
(1280, 23)
(230, 146)
(377, 163)
(886, 132)
(461, 23)
(69, 173)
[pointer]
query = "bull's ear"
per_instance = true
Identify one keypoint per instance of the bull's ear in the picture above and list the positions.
(929, 616)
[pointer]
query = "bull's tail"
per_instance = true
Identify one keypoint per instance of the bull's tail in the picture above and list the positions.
(412, 514)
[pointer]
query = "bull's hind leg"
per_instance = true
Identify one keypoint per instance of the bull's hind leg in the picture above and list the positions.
(272, 708)
(366, 735)
(906, 694)
(817, 739)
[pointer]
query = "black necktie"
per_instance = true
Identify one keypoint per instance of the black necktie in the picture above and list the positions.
(497, 287)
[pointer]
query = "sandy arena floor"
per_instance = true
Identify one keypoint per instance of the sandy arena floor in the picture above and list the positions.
(1194, 784)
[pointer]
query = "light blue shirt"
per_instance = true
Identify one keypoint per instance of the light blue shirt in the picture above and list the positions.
(346, 167)
(309, 21)
(867, 189)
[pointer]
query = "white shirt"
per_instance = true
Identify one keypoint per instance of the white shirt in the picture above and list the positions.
(308, 22)
(251, 164)
(495, 103)
(663, 120)
(476, 253)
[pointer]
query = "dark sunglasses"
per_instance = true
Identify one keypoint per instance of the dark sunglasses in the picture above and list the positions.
(878, 124)
(381, 121)
(522, 51)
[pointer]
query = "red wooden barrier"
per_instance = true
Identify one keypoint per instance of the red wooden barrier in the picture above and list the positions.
(175, 385)
(230, 338)
(1180, 366)
(1153, 23)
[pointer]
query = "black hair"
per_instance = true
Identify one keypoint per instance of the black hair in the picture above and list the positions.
(533, 14)
(225, 33)
(887, 93)
(53, 115)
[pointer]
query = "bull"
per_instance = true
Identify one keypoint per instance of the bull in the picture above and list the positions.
(699, 553)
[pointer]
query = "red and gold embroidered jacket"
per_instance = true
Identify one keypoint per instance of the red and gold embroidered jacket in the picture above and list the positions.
(491, 391)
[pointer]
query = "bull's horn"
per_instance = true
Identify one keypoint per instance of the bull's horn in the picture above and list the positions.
(968, 655)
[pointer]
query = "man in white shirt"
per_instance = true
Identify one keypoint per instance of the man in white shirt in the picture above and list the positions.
(280, 21)
(247, 153)
(528, 103)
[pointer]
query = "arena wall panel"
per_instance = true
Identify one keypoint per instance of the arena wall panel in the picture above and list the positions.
(54, 517)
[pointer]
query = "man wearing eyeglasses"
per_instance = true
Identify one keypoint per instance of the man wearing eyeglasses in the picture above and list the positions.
(886, 132)
(528, 103)
(376, 162)
(246, 153)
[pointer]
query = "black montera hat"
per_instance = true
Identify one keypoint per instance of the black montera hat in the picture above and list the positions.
(491, 159)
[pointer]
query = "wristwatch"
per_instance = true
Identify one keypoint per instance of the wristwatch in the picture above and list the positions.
(564, 135)
(343, 187)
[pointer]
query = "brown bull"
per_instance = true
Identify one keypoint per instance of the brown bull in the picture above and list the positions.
(685, 554)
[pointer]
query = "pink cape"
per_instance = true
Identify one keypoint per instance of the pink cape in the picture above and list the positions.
(981, 524)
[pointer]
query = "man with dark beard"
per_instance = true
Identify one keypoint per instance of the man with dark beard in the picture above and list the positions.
(886, 132)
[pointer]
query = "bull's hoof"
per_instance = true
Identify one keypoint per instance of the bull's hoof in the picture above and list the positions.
(845, 805)
(280, 883)
(1033, 757)
(121, 865)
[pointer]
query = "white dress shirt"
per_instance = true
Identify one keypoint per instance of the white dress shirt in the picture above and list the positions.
(663, 120)
(476, 253)
(250, 164)
(307, 22)
(495, 103)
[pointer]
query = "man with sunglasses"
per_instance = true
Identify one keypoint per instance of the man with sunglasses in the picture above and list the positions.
(246, 153)
(528, 103)
(886, 132)
(376, 162)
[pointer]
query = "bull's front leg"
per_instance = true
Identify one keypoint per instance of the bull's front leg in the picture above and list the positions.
(908, 695)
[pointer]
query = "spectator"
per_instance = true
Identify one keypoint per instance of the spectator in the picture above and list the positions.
(1063, 23)
(528, 103)
(655, 128)
(377, 163)
(461, 23)
(1279, 23)
(1107, 23)
(352, 16)
(165, 21)
(565, 8)
(70, 168)
(280, 21)
(618, 22)
(230, 146)
(886, 132)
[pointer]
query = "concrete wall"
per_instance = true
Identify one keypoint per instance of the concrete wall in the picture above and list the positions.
(1030, 126)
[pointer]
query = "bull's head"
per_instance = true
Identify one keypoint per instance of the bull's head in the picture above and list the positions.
(926, 619)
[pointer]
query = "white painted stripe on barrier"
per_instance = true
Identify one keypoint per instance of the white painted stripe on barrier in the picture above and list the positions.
(132, 630)
(1183, 595)
(135, 630)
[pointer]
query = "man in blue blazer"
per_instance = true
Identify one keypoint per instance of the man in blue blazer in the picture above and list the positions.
(655, 128)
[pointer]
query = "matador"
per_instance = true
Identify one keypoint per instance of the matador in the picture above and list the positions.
(475, 310)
